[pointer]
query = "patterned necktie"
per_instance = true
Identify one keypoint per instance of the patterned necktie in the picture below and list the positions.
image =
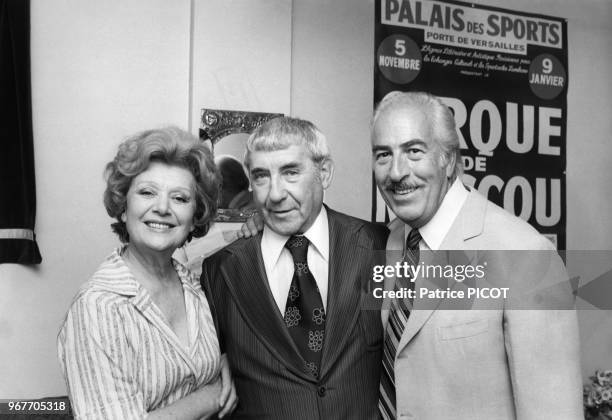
(398, 316)
(304, 313)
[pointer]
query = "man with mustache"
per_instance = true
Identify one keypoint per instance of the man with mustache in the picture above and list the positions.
(288, 301)
(500, 363)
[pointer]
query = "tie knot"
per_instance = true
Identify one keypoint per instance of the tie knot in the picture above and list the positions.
(298, 246)
(413, 239)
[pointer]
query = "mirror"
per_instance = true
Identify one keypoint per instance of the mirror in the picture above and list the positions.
(228, 132)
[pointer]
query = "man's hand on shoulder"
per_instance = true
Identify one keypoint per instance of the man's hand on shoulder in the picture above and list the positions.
(252, 226)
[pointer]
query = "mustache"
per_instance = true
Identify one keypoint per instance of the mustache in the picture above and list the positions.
(398, 185)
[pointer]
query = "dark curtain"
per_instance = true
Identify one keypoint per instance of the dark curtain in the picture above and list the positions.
(17, 186)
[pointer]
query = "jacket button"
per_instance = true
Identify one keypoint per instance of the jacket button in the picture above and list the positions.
(321, 391)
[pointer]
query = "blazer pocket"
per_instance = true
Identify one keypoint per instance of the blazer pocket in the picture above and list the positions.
(470, 329)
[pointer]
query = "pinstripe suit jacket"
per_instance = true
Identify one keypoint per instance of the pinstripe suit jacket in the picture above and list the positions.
(268, 370)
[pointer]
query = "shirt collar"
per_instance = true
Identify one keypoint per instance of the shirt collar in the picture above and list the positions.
(434, 231)
(114, 276)
(272, 243)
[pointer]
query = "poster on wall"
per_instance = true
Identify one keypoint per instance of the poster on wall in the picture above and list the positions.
(504, 75)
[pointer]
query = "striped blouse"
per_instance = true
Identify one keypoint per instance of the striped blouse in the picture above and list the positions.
(120, 358)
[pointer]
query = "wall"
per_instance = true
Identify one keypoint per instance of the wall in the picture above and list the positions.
(241, 56)
(100, 71)
(103, 70)
(333, 86)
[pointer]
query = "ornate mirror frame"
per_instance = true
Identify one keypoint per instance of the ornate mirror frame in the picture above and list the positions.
(215, 125)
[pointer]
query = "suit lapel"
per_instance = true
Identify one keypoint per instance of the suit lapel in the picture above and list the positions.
(468, 224)
(247, 282)
(344, 288)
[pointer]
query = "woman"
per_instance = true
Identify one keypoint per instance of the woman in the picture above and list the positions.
(139, 340)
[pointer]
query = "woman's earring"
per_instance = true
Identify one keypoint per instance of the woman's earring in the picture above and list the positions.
(123, 217)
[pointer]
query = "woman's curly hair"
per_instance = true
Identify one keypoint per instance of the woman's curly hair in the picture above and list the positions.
(171, 146)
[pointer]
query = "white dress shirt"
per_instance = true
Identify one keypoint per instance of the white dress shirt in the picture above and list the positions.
(278, 261)
(434, 231)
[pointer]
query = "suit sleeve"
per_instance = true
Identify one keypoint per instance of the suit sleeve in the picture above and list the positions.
(542, 345)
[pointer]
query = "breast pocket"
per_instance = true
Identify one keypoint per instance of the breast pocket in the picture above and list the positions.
(464, 330)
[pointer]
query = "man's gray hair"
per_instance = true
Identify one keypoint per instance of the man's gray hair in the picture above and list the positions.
(439, 117)
(282, 132)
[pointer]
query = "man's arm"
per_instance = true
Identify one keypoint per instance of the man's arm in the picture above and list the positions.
(544, 360)
(542, 345)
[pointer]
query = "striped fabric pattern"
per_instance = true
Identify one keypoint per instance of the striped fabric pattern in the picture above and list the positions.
(119, 357)
(398, 317)
(268, 370)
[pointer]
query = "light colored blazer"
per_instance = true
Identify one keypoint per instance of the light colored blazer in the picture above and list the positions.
(489, 364)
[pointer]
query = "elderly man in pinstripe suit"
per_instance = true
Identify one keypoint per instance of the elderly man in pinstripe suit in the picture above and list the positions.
(288, 301)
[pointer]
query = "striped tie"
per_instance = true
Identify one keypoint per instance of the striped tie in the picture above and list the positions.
(398, 316)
